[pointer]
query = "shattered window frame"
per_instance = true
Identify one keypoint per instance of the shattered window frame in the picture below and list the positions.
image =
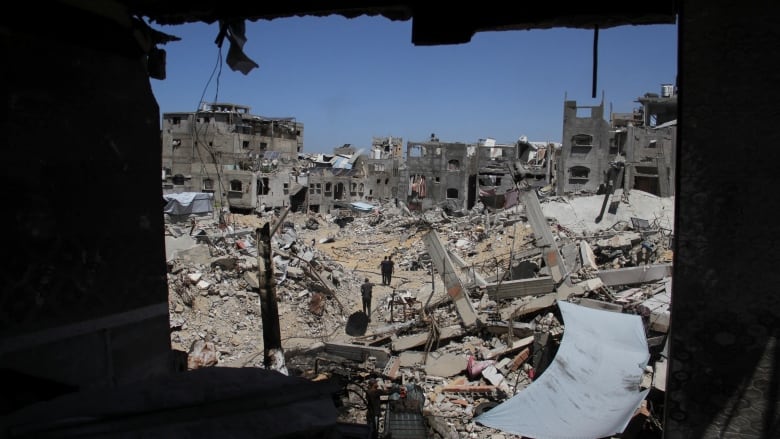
(579, 173)
(582, 139)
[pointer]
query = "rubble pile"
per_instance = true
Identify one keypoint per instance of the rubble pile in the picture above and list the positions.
(469, 319)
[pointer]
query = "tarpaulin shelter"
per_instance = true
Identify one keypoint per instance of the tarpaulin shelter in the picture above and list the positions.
(592, 388)
(188, 203)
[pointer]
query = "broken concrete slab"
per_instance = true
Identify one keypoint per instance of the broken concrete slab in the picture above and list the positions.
(358, 353)
(621, 240)
(518, 288)
(516, 345)
(587, 256)
(412, 358)
(528, 307)
(448, 271)
(600, 304)
(196, 255)
(570, 253)
(251, 279)
(176, 244)
(445, 365)
(658, 307)
(565, 291)
(635, 275)
(416, 340)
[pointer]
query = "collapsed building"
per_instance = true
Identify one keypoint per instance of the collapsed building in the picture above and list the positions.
(474, 319)
(495, 325)
(336, 181)
(637, 148)
(224, 149)
(254, 163)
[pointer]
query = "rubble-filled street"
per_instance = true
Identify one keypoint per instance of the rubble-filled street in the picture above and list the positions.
(471, 320)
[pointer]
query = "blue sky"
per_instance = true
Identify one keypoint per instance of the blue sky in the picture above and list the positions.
(348, 80)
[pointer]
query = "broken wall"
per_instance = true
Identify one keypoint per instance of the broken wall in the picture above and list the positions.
(381, 178)
(723, 377)
(583, 165)
(437, 173)
(650, 159)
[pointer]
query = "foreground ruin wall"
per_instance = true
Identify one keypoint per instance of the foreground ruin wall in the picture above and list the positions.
(723, 377)
(83, 298)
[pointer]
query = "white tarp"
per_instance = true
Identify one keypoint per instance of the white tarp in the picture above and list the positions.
(186, 203)
(591, 389)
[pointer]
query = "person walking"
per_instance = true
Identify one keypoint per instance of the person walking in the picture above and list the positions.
(390, 269)
(366, 291)
(386, 268)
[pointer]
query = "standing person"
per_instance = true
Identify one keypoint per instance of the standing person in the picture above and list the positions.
(385, 267)
(365, 292)
(390, 268)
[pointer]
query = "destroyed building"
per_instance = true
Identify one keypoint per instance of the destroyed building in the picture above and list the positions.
(351, 175)
(224, 149)
(537, 163)
(334, 181)
(439, 174)
(382, 168)
(641, 144)
(496, 178)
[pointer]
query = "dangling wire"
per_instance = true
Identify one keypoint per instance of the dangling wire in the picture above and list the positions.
(595, 58)
(219, 73)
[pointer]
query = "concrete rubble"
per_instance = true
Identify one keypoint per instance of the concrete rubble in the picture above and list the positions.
(468, 321)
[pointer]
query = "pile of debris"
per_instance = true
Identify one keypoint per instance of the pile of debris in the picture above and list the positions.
(471, 319)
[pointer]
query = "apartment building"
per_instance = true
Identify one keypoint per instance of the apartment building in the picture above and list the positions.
(642, 143)
(244, 159)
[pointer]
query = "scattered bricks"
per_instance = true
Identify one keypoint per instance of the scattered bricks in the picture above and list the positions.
(519, 359)
(392, 367)
(460, 402)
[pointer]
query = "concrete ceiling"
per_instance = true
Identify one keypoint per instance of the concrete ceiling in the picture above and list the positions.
(431, 24)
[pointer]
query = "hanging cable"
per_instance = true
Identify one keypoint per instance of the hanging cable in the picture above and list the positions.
(595, 58)
(196, 134)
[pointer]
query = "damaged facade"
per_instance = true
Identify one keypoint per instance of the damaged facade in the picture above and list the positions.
(641, 144)
(439, 174)
(224, 149)
(336, 181)
(255, 164)
(537, 163)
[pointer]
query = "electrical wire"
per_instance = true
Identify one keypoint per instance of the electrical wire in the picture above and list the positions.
(196, 134)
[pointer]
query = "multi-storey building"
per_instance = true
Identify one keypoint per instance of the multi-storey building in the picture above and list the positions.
(244, 159)
(455, 176)
(439, 174)
(642, 143)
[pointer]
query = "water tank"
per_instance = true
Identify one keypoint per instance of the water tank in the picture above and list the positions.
(667, 90)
